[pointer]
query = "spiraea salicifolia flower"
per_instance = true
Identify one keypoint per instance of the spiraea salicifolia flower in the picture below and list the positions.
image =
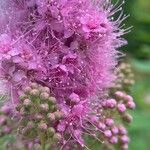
(59, 58)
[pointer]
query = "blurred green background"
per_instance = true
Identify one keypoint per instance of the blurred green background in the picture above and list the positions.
(138, 51)
(138, 54)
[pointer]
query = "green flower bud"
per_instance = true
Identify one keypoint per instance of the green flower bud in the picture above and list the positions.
(51, 116)
(42, 126)
(34, 85)
(44, 96)
(52, 100)
(27, 90)
(51, 132)
(34, 92)
(58, 115)
(57, 137)
(44, 107)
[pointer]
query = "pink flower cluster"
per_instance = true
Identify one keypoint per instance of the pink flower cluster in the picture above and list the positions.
(69, 46)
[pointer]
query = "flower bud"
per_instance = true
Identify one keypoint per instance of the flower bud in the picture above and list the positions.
(34, 93)
(122, 130)
(6, 130)
(128, 98)
(121, 108)
(44, 96)
(111, 103)
(23, 97)
(42, 126)
(109, 122)
(45, 89)
(34, 85)
(27, 90)
(44, 107)
(51, 116)
(124, 139)
(52, 100)
(131, 105)
(115, 130)
(38, 117)
(57, 137)
(6, 109)
(119, 94)
(51, 131)
(58, 115)
(27, 102)
(114, 140)
(108, 133)
(101, 126)
(2, 120)
(30, 125)
(128, 118)
(124, 147)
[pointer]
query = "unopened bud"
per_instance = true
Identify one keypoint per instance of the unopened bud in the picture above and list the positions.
(44, 96)
(27, 102)
(121, 108)
(38, 117)
(51, 131)
(45, 89)
(42, 126)
(57, 137)
(114, 140)
(27, 89)
(52, 100)
(128, 118)
(131, 105)
(44, 107)
(58, 115)
(51, 116)
(34, 85)
(108, 133)
(30, 125)
(34, 92)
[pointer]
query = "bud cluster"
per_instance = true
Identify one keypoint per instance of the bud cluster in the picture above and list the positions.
(39, 114)
(125, 77)
(114, 115)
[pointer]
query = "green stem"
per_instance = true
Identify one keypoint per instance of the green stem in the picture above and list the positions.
(42, 137)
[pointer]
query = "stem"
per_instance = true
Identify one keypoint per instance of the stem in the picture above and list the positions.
(42, 137)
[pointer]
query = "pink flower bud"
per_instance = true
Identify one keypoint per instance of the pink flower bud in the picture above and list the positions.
(114, 140)
(124, 139)
(128, 98)
(115, 130)
(119, 94)
(131, 105)
(125, 147)
(2, 120)
(74, 98)
(5, 109)
(101, 126)
(111, 103)
(122, 130)
(121, 108)
(108, 133)
(6, 130)
(42, 126)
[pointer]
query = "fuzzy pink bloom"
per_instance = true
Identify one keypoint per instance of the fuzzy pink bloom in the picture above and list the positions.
(69, 46)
